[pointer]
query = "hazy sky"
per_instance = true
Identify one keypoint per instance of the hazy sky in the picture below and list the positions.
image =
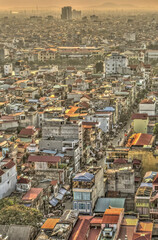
(82, 4)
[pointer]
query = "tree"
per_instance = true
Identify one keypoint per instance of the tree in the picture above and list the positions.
(156, 129)
(12, 212)
(99, 67)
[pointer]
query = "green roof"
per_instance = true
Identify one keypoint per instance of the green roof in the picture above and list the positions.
(104, 203)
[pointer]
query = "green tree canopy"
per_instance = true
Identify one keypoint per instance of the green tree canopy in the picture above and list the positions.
(12, 212)
(156, 129)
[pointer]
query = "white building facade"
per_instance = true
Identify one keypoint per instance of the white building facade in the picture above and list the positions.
(114, 62)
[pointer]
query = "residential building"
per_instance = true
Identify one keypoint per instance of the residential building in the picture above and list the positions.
(87, 187)
(114, 62)
(147, 106)
(111, 223)
(140, 122)
(8, 178)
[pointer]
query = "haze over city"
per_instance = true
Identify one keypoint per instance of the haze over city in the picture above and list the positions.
(89, 4)
(78, 120)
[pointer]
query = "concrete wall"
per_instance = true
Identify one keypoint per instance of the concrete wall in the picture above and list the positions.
(140, 126)
(8, 182)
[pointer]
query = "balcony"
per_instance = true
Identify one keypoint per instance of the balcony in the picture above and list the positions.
(154, 211)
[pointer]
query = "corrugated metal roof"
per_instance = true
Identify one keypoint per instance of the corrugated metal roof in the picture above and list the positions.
(87, 177)
(103, 203)
(50, 223)
(110, 219)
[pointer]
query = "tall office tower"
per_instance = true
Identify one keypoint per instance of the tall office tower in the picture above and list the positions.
(66, 13)
(76, 14)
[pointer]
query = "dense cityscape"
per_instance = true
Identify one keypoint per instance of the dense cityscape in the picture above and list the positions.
(78, 125)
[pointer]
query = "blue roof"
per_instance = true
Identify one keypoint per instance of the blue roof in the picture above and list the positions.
(146, 185)
(49, 151)
(86, 177)
(60, 155)
(59, 196)
(109, 109)
(53, 202)
(33, 100)
(104, 203)
(63, 191)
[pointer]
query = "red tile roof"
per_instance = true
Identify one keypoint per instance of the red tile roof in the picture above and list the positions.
(142, 116)
(23, 180)
(126, 230)
(9, 165)
(140, 139)
(54, 182)
(94, 233)
(96, 220)
(110, 219)
(111, 216)
(49, 159)
(32, 194)
(144, 139)
(80, 230)
(120, 161)
(147, 101)
(26, 132)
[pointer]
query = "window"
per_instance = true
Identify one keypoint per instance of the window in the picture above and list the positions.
(86, 196)
(77, 196)
(88, 206)
(82, 196)
(75, 205)
(82, 206)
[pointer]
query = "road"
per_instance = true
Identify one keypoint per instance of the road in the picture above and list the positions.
(116, 141)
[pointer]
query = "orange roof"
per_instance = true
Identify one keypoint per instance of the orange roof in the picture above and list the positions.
(96, 220)
(139, 139)
(50, 223)
(113, 211)
(32, 194)
(145, 227)
(111, 216)
(85, 126)
(72, 110)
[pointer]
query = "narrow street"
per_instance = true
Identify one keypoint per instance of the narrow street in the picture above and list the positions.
(118, 140)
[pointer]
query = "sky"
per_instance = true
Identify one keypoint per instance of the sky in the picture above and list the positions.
(80, 4)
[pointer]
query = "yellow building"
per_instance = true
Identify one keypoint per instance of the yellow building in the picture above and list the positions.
(140, 122)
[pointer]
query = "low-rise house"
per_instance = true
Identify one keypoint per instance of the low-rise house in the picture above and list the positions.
(147, 106)
(28, 132)
(23, 184)
(111, 223)
(121, 180)
(140, 122)
(8, 178)
(42, 163)
(33, 198)
(87, 187)
(128, 227)
(30, 92)
(142, 200)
